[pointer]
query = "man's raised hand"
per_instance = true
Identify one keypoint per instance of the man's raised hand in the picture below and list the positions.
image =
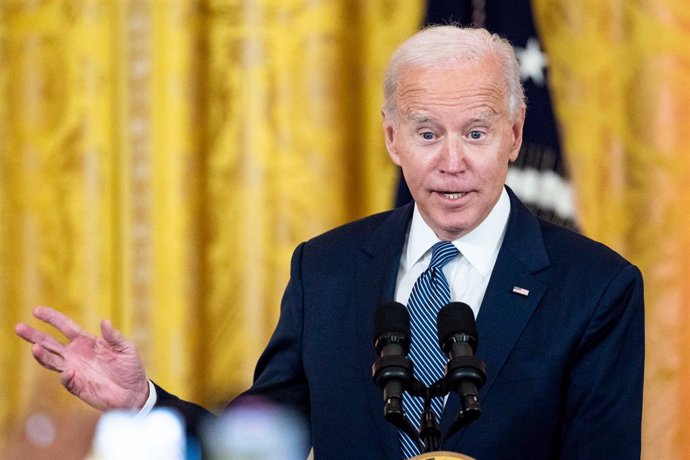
(105, 372)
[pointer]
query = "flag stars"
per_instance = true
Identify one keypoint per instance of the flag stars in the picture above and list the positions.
(533, 62)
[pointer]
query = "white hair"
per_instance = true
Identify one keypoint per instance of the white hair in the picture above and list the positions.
(444, 46)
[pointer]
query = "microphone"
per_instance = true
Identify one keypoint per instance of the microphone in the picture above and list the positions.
(392, 371)
(465, 373)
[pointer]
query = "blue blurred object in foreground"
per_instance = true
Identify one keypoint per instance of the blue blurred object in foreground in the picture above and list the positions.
(256, 430)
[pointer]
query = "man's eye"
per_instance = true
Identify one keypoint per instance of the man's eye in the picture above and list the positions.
(475, 135)
(427, 136)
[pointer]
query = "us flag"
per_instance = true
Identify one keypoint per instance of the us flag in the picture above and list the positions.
(539, 176)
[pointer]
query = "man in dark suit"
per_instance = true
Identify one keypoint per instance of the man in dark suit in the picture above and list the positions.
(560, 317)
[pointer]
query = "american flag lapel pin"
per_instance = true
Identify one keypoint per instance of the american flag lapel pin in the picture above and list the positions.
(521, 291)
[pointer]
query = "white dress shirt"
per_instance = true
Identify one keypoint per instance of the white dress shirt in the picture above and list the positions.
(468, 274)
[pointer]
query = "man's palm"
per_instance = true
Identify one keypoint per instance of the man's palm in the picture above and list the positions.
(105, 372)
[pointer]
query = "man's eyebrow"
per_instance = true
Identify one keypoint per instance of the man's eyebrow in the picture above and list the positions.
(419, 117)
(481, 119)
(484, 116)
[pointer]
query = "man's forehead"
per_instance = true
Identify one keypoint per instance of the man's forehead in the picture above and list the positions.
(432, 92)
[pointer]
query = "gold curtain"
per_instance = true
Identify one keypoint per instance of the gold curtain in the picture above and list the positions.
(159, 160)
(620, 72)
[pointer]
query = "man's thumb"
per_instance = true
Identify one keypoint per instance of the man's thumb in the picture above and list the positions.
(110, 334)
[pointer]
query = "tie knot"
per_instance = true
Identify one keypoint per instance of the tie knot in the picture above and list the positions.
(442, 253)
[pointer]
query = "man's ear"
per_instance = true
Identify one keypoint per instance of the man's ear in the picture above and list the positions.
(389, 134)
(516, 129)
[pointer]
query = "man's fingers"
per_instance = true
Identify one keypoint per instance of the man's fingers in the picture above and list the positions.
(62, 323)
(32, 335)
(25, 332)
(47, 359)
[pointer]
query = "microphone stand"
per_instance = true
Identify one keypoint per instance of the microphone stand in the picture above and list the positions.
(429, 429)
(428, 437)
(460, 371)
(430, 432)
(397, 372)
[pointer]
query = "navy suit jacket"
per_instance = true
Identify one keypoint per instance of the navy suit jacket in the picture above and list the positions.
(564, 362)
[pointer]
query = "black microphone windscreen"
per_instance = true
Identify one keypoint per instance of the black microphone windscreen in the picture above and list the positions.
(455, 318)
(391, 317)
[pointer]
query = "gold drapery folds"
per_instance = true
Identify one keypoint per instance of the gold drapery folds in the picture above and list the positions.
(620, 72)
(159, 161)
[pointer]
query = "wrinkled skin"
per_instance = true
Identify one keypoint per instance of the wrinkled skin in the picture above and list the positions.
(453, 139)
(105, 372)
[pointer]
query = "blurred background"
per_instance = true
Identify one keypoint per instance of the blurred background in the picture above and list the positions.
(160, 159)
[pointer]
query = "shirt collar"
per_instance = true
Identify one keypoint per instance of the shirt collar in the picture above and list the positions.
(478, 247)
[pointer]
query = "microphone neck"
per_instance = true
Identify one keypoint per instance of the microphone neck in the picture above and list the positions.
(393, 349)
(460, 344)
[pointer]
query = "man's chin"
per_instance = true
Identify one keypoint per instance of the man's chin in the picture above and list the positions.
(452, 230)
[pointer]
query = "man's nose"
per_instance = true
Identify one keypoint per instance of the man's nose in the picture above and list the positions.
(453, 156)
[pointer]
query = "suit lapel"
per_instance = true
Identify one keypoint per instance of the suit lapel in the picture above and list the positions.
(376, 267)
(511, 297)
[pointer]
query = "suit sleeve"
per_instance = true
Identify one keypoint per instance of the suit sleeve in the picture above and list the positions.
(603, 403)
(193, 415)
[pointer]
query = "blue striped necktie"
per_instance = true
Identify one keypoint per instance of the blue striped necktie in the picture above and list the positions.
(429, 293)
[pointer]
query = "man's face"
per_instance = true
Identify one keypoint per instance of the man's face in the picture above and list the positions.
(453, 139)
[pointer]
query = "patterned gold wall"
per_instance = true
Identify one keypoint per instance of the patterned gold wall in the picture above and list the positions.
(160, 159)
